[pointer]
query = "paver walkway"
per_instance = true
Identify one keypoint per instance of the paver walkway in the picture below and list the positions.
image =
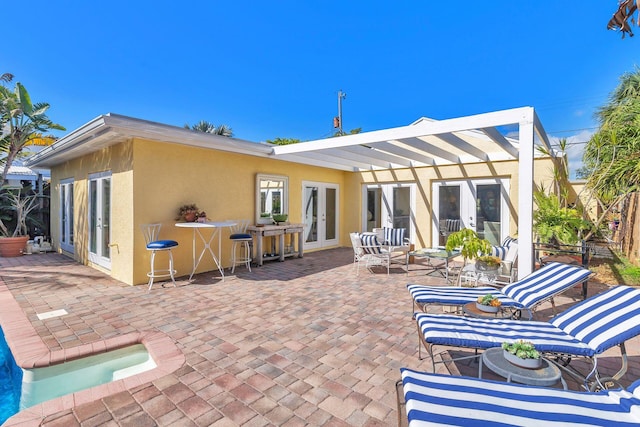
(302, 342)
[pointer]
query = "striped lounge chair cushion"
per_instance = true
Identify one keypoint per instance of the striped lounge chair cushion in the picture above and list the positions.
(540, 285)
(586, 329)
(433, 399)
(394, 236)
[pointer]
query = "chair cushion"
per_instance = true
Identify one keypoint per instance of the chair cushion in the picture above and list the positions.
(370, 243)
(236, 236)
(394, 236)
(162, 244)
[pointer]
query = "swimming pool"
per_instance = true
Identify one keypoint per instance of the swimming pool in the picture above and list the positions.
(23, 388)
(10, 382)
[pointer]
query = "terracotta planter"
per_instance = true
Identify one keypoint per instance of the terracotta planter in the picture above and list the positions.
(13, 246)
(190, 217)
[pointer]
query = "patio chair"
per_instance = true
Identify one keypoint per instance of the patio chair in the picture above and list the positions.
(584, 331)
(367, 250)
(154, 245)
(501, 251)
(433, 399)
(241, 241)
(506, 274)
(524, 295)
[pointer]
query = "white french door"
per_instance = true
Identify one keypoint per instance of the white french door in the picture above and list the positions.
(66, 215)
(100, 219)
(481, 205)
(389, 205)
(320, 212)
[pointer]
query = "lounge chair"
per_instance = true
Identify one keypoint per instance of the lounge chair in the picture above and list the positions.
(523, 295)
(433, 399)
(585, 331)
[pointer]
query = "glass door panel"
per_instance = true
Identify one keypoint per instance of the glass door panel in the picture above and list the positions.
(320, 207)
(100, 219)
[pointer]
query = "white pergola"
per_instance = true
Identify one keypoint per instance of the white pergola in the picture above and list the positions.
(463, 140)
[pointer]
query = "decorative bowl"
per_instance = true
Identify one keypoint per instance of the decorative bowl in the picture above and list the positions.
(487, 308)
(280, 217)
(523, 363)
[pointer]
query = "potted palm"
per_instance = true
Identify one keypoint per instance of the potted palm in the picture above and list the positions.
(15, 212)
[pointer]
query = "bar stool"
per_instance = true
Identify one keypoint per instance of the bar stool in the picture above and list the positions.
(154, 244)
(243, 242)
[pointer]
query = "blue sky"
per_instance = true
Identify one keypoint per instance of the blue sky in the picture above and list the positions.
(273, 69)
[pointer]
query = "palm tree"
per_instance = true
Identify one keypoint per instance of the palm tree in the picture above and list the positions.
(623, 17)
(612, 155)
(208, 127)
(20, 121)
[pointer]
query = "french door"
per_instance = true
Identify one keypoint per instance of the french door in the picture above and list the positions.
(100, 219)
(481, 205)
(320, 211)
(66, 215)
(389, 205)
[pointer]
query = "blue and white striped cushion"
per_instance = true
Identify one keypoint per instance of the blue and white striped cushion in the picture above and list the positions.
(586, 329)
(370, 243)
(507, 241)
(433, 399)
(452, 224)
(455, 295)
(545, 282)
(501, 251)
(604, 320)
(537, 287)
(394, 236)
(458, 331)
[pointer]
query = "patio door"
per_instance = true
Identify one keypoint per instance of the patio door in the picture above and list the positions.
(481, 205)
(320, 211)
(100, 219)
(389, 205)
(66, 215)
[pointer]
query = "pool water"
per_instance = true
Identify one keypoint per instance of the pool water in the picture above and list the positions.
(10, 382)
(23, 388)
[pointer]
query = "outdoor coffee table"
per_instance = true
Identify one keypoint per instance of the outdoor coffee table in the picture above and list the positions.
(470, 309)
(434, 253)
(547, 375)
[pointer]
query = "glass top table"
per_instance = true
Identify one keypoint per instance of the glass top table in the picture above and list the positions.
(438, 253)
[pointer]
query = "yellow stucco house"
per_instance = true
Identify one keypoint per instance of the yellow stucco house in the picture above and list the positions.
(116, 173)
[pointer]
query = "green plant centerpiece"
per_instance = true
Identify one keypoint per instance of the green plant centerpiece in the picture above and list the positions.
(488, 303)
(470, 244)
(522, 353)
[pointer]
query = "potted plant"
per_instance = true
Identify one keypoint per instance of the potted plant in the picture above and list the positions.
(265, 218)
(13, 226)
(522, 353)
(189, 213)
(488, 303)
(488, 263)
(554, 224)
(470, 244)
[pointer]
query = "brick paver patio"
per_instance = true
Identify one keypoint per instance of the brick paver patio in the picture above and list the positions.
(302, 342)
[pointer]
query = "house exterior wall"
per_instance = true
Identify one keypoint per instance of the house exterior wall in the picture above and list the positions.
(425, 177)
(151, 180)
(117, 159)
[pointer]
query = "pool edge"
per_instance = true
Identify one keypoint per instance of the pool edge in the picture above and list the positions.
(30, 351)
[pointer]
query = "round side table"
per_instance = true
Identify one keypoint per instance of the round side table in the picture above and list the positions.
(547, 375)
(470, 309)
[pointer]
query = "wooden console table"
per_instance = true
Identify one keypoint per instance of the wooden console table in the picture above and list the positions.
(259, 233)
